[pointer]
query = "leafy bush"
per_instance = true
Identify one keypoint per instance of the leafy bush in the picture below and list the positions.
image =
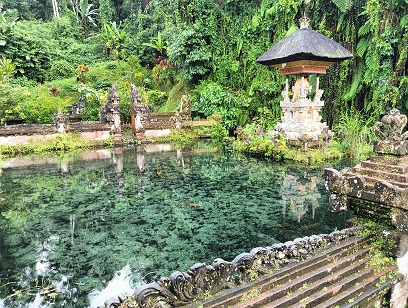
(67, 87)
(214, 98)
(40, 106)
(92, 102)
(32, 105)
(10, 98)
(77, 52)
(61, 69)
(60, 143)
(157, 100)
(29, 44)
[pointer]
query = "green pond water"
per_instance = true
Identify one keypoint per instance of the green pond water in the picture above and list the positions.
(76, 232)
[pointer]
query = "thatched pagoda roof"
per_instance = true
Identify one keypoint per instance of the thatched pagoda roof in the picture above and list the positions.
(304, 44)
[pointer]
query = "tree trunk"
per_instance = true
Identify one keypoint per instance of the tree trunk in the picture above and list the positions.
(55, 8)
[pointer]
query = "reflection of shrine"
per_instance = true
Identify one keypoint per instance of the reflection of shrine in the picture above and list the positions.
(299, 195)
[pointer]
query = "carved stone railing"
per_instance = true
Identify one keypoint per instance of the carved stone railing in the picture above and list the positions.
(200, 280)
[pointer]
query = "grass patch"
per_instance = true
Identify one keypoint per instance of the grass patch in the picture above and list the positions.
(60, 143)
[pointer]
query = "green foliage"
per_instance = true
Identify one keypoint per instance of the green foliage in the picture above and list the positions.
(174, 100)
(157, 100)
(7, 69)
(60, 143)
(214, 98)
(86, 14)
(355, 133)
(106, 11)
(28, 45)
(40, 106)
(65, 27)
(10, 97)
(61, 69)
(343, 5)
(92, 102)
(113, 37)
(250, 141)
(158, 43)
(384, 241)
(211, 41)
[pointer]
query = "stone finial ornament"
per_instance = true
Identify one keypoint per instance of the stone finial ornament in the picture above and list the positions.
(135, 96)
(304, 22)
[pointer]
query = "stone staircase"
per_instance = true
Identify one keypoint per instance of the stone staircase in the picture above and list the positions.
(391, 169)
(341, 276)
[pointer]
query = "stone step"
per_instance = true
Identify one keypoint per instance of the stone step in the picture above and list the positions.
(371, 210)
(330, 290)
(299, 287)
(267, 282)
(387, 176)
(389, 160)
(359, 292)
(366, 298)
(401, 169)
(370, 181)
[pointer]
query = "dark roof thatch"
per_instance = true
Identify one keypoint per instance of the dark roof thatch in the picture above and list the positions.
(304, 44)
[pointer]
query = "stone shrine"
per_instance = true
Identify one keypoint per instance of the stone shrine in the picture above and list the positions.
(302, 53)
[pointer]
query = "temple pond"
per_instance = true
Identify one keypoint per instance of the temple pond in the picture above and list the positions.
(75, 232)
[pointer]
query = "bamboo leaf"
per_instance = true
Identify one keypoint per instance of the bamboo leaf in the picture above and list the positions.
(356, 85)
(340, 22)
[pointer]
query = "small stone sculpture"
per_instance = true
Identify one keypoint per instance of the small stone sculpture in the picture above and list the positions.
(389, 131)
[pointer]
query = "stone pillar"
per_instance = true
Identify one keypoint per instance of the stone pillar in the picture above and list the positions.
(116, 124)
(114, 100)
(136, 107)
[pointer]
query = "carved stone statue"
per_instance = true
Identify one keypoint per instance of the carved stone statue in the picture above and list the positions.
(391, 126)
(60, 121)
(389, 131)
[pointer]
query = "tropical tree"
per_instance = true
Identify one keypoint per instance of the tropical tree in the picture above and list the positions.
(55, 9)
(114, 37)
(158, 44)
(85, 14)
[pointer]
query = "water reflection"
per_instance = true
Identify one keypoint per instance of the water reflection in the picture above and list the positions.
(299, 194)
(76, 232)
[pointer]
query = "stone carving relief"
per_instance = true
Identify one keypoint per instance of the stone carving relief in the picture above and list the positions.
(391, 125)
(106, 111)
